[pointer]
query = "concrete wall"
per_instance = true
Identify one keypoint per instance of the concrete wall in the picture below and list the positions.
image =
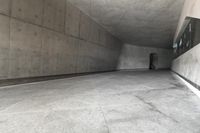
(52, 37)
(134, 57)
(188, 65)
(191, 8)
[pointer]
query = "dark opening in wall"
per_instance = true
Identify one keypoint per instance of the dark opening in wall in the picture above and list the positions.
(153, 59)
(189, 38)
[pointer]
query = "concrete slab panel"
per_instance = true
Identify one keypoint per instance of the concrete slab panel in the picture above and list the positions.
(83, 48)
(81, 64)
(49, 55)
(28, 10)
(60, 52)
(71, 62)
(74, 45)
(5, 6)
(61, 43)
(4, 45)
(83, 54)
(102, 37)
(18, 65)
(4, 63)
(26, 41)
(72, 20)
(4, 31)
(62, 64)
(85, 25)
(54, 14)
(95, 32)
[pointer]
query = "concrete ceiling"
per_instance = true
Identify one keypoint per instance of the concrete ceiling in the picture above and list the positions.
(138, 22)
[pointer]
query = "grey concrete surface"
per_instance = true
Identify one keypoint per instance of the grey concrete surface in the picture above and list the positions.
(134, 57)
(191, 9)
(72, 23)
(117, 102)
(28, 10)
(54, 14)
(138, 22)
(52, 37)
(5, 6)
(4, 46)
(187, 65)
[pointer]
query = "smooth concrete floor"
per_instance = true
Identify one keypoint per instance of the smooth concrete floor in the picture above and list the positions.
(116, 102)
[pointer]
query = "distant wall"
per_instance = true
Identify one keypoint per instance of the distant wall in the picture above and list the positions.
(188, 65)
(134, 57)
(52, 37)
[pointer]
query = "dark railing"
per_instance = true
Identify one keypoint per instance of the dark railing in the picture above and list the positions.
(189, 38)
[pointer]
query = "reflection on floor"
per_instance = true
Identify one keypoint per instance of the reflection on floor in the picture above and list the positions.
(117, 102)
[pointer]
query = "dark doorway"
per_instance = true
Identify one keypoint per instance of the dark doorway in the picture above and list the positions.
(153, 60)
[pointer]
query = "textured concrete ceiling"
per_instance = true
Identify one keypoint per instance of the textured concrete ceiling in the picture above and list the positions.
(138, 22)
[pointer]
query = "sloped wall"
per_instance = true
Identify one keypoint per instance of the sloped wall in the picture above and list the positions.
(191, 8)
(135, 57)
(188, 65)
(52, 37)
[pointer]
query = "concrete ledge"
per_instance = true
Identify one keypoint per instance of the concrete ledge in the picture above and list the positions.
(8, 82)
(139, 69)
(189, 81)
(143, 69)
